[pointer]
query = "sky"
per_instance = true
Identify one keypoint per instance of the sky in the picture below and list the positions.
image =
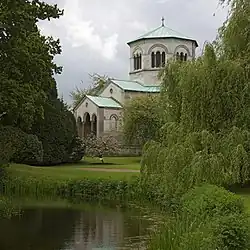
(94, 34)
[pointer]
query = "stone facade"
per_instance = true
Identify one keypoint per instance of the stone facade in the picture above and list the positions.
(102, 114)
(171, 46)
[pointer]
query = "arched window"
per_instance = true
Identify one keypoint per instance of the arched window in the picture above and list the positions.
(158, 59)
(182, 56)
(134, 62)
(177, 56)
(113, 123)
(163, 59)
(153, 59)
(139, 61)
(185, 57)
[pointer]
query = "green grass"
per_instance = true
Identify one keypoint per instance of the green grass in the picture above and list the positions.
(115, 162)
(76, 171)
(244, 193)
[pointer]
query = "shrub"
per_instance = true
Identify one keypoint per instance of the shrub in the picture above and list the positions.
(78, 150)
(210, 200)
(19, 147)
(57, 132)
(231, 232)
(209, 217)
(101, 146)
(30, 151)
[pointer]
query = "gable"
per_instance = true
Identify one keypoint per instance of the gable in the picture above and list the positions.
(114, 91)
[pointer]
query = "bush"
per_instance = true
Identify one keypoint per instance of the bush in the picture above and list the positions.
(209, 217)
(210, 200)
(30, 152)
(102, 146)
(78, 150)
(57, 132)
(19, 147)
(101, 189)
(231, 232)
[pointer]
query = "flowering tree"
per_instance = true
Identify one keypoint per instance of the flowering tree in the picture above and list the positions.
(101, 146)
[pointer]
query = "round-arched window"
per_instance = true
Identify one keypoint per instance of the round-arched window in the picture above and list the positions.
(111, 91)
(86, 104)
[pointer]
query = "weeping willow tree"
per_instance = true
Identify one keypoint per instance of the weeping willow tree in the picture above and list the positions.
(206, 136)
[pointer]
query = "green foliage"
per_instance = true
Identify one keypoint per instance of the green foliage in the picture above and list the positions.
(27, 59)
(30, 151)
(97, 83)
(78, 150)
(142, 119)
(209, 218)
(205, 137)
(231, 232)
(97, 189)
(57, 132)
(101, 146)
(7, 209)
(233, 40)
(19, 147)
(209, 200)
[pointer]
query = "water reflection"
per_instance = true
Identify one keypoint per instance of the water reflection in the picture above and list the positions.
(71, 229)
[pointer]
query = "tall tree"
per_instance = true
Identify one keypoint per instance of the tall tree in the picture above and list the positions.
(234, 35)
(27, 57)
(97, 82)
(142, 119)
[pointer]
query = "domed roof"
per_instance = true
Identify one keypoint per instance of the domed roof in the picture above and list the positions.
(163, 32)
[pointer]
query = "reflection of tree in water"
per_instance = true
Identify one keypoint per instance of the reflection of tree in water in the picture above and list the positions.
(52, 229)
(136, 224)
(97, 229)
(38, 229)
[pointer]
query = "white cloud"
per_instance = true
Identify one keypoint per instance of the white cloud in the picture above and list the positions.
(162, 1)
(80, 32)
(136, 25)
(99, 30)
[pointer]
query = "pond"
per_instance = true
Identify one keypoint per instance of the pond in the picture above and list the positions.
(59, 226)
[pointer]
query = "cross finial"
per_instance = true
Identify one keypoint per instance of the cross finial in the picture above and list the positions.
(162, 21)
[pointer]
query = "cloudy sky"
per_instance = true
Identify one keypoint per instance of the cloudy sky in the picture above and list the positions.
(94, 33)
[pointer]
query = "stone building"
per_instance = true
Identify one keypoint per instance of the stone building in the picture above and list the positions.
(149, 53)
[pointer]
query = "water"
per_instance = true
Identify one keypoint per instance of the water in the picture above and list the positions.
(83, 227)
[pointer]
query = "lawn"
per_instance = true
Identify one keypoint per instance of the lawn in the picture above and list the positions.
(77, 171)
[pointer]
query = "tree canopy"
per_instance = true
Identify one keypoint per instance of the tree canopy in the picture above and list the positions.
(142, 119)
(27, 75)
(205, 137)
(97, 83)
(28, 92)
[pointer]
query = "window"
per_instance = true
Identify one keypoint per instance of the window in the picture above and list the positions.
(185, 57)
(182, 56)
(177, 56)
(137, 61)
(153, 59)
(158, 59)
(163, 59)
(113, 123)
(111, 91)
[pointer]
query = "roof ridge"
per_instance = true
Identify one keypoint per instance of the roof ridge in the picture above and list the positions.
(104, 97)
(146, 34)
(123, 80)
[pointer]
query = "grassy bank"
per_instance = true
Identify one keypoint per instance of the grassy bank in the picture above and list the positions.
(77, 171)
(74, 181)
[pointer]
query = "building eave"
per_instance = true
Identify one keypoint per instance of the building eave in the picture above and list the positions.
(170, 37)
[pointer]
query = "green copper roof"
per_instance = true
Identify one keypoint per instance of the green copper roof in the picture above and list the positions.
(136, 86)
(104, 102)
(163, 32)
